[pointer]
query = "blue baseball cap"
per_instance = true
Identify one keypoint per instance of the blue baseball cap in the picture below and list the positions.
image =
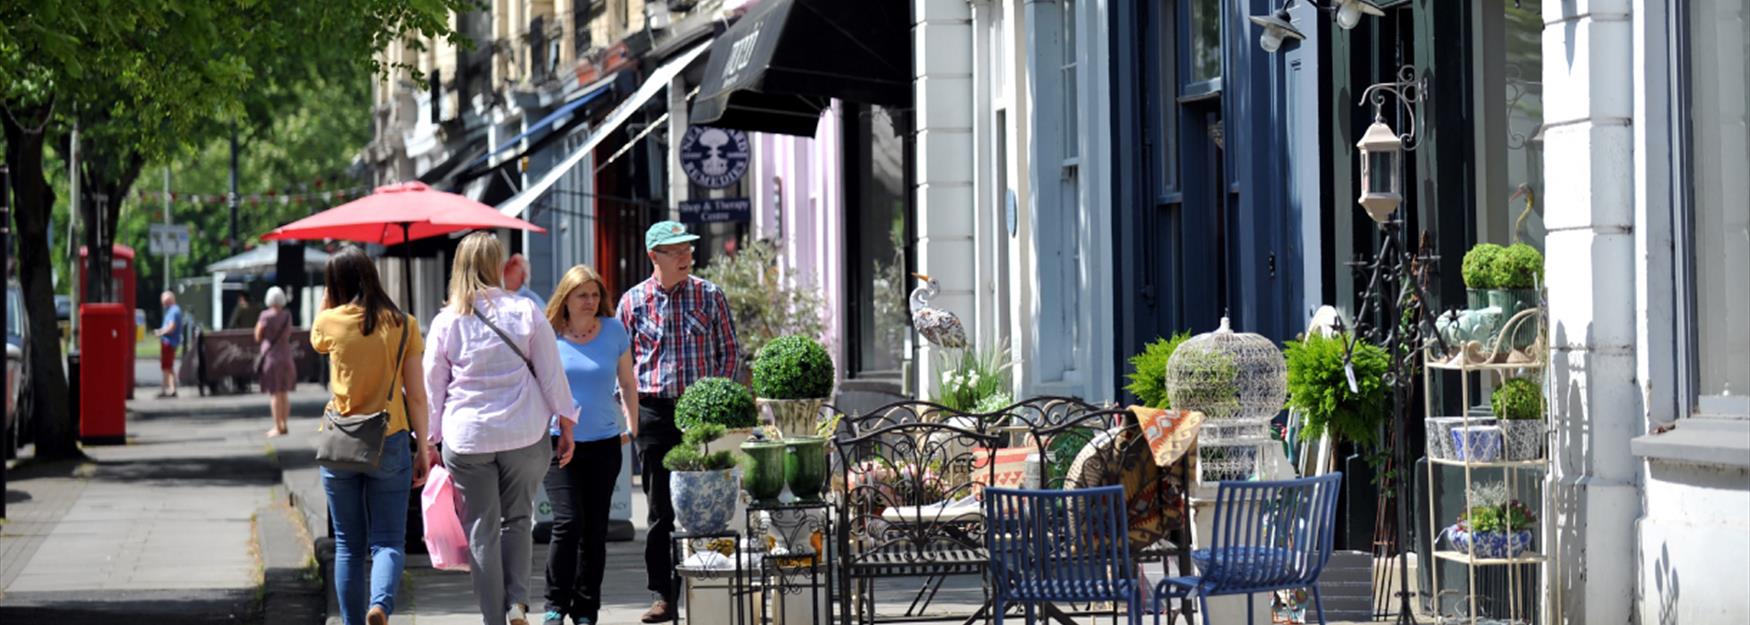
(666, 233)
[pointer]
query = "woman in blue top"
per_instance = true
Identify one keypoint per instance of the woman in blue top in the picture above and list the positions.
(597, 359)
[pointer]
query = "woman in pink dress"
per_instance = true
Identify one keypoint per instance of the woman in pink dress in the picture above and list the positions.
(277, 373)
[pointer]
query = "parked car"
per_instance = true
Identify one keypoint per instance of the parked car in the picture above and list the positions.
(18, 425)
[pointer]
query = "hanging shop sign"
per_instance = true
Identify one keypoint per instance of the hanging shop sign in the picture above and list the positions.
(714, 157)
(716, 210)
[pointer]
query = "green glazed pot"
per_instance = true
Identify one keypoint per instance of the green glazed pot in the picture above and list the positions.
(805, 466)
(764, 479)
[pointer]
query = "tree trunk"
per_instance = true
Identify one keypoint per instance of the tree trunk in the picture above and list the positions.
(56, 434)
(108, 176)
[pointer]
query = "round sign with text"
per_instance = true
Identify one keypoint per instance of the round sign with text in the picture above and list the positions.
(714, 157)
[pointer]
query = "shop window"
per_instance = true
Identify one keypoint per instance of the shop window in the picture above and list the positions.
(1510, 190)
(1205, 31)
(877, 160)
(1716, 206)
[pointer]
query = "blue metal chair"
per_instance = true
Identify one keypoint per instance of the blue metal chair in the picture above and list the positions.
(1059, 546)
(1267, 536)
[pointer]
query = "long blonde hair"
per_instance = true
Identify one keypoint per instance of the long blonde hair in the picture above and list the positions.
(479, 266)
(575, 278)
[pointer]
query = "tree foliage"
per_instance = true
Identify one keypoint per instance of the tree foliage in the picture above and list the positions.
(145, 80)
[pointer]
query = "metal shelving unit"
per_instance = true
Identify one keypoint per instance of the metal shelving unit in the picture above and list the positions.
(1469, 610)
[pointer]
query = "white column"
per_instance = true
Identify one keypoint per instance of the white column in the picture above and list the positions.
(677, 128)
(1590, 267)
(942, 66)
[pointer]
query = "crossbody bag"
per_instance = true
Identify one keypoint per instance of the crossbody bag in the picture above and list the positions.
(355, 442)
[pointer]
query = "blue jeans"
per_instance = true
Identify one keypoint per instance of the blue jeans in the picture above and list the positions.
(369, 513)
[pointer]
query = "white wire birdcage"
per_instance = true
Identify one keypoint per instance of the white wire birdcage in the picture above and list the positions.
(1239, 381)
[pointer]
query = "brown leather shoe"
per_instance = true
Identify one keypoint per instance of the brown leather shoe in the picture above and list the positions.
(660, 612)
(377, 616)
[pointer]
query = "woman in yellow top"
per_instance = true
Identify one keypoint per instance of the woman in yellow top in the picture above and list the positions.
(361, 331)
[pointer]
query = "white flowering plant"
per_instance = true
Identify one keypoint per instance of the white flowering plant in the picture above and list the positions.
(973, 381)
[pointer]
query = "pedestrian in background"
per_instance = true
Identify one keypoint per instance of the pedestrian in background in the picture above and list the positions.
(169, 337)
(516, 279)
(275, 372)
(681, 331)
(493, 368)
(366, 337)
(596, 355)
(243, 313)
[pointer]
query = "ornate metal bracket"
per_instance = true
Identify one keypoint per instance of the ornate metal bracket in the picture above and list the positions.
(1410, 89)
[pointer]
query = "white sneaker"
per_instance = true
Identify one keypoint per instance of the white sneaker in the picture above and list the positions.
(517, 615)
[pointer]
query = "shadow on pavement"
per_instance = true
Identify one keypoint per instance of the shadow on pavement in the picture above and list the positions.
(216, 471)
(153, 607)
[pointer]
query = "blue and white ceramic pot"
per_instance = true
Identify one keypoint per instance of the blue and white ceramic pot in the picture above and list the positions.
(1477, 443)
(704, 501)
(1495, 545)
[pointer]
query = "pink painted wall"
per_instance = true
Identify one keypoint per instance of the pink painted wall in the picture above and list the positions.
(805, 176)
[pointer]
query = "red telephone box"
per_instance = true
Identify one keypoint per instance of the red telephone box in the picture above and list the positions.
(121, 276)
(106, 349)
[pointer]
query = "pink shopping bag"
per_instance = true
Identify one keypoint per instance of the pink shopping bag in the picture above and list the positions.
(445, 541)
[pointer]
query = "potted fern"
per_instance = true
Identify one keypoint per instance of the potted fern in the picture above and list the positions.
(702, 483)
(1318, 386)
(792, 376)
(1518, 408)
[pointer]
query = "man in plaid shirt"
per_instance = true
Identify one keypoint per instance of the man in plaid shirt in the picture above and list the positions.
(681, 331)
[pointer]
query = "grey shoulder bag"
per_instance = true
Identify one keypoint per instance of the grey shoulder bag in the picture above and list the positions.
(355, 442)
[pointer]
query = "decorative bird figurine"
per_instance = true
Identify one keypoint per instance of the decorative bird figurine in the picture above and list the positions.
(938, 326)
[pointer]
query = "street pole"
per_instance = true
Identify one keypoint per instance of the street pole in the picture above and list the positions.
(166, 255)
(236, 245)
(6, 270)
(72, 241)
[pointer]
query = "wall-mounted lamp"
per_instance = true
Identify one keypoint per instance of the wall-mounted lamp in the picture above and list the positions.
(1349, 12)
(1381, 149)
(1278, 26)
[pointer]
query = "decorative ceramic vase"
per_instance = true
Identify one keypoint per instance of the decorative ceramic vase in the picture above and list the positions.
(764, 479)
(1522, 439)
(1438, 432)
(1494, 545)
(1477, 443)
(805, 466)
(1511, 301)
(1476, 299)
(704, 501)
(793, 417)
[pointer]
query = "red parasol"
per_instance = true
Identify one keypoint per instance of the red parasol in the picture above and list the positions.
(396, 214)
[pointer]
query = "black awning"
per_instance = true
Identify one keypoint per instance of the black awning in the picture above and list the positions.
(776, 68)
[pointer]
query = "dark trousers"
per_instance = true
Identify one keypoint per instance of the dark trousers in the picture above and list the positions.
(581, 493)
(656, 435)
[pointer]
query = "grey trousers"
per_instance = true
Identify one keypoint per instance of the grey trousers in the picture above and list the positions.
(498, 504)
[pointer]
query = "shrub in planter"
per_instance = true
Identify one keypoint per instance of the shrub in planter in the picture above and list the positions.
(1519, 266)
(718, 401)
(1318, 386)
(702, 484)
(1479, 272)
(793, 376)
(792, 367)
(1148, 375)
(1518, 404)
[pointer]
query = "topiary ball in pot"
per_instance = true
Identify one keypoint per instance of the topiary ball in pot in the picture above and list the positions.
(792, 367)
(715, 400)
(1479, 273)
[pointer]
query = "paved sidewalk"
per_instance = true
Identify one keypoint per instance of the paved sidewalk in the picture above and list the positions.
(163, 529)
